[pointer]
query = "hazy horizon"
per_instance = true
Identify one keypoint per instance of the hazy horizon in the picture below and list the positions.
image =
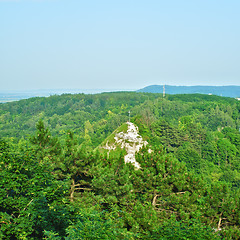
(121, 45)
(97, 90)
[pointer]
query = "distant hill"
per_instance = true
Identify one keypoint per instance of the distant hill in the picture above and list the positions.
(11, 96)
(226, 91)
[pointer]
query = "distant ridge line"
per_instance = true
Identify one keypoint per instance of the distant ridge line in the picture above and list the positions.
(225, 91)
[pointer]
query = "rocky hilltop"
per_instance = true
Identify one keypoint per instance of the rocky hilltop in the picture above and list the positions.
(129, 140)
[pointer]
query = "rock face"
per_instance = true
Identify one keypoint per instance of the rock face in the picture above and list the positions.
(131, 141)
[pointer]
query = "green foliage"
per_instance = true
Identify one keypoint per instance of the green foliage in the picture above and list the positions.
(165, 182)
(91, 226)
(29, 196)
(55, 186)
(167, 135)
(112, 183)
(46, 146)
(192, 229)
(95, 226)
(190, 156)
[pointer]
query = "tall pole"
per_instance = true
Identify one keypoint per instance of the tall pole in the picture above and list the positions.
(163, 90)
(129, 115)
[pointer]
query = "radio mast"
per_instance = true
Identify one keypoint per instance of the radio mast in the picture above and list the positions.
(164, 90)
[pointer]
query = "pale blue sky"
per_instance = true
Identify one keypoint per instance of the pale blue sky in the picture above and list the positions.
(118, 44)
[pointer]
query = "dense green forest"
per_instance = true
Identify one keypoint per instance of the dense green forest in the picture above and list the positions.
(56, 184)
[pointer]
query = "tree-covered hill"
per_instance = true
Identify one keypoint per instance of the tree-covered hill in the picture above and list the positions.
(98, 113)
(56, 184)
(105, 112)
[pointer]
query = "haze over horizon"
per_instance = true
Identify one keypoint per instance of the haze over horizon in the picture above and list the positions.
(121, 45)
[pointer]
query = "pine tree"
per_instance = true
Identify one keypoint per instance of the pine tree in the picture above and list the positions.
(46, 146)
(75, 164)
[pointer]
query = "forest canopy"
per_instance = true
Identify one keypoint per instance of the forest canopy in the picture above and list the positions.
(56, 184)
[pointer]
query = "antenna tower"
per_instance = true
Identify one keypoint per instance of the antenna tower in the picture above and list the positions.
(164, 90)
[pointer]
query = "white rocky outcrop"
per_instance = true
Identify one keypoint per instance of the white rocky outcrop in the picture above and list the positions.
(131, 141)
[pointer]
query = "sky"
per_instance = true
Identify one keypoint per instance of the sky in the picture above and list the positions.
(120, 44)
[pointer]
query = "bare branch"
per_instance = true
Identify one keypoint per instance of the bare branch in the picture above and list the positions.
(180, 192)
(154, 200)
(88, 189)
(166, 210)
(219, 222)
(27, 205)
(25, 208)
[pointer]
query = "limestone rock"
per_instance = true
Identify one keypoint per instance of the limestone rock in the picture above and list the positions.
(131, 141)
